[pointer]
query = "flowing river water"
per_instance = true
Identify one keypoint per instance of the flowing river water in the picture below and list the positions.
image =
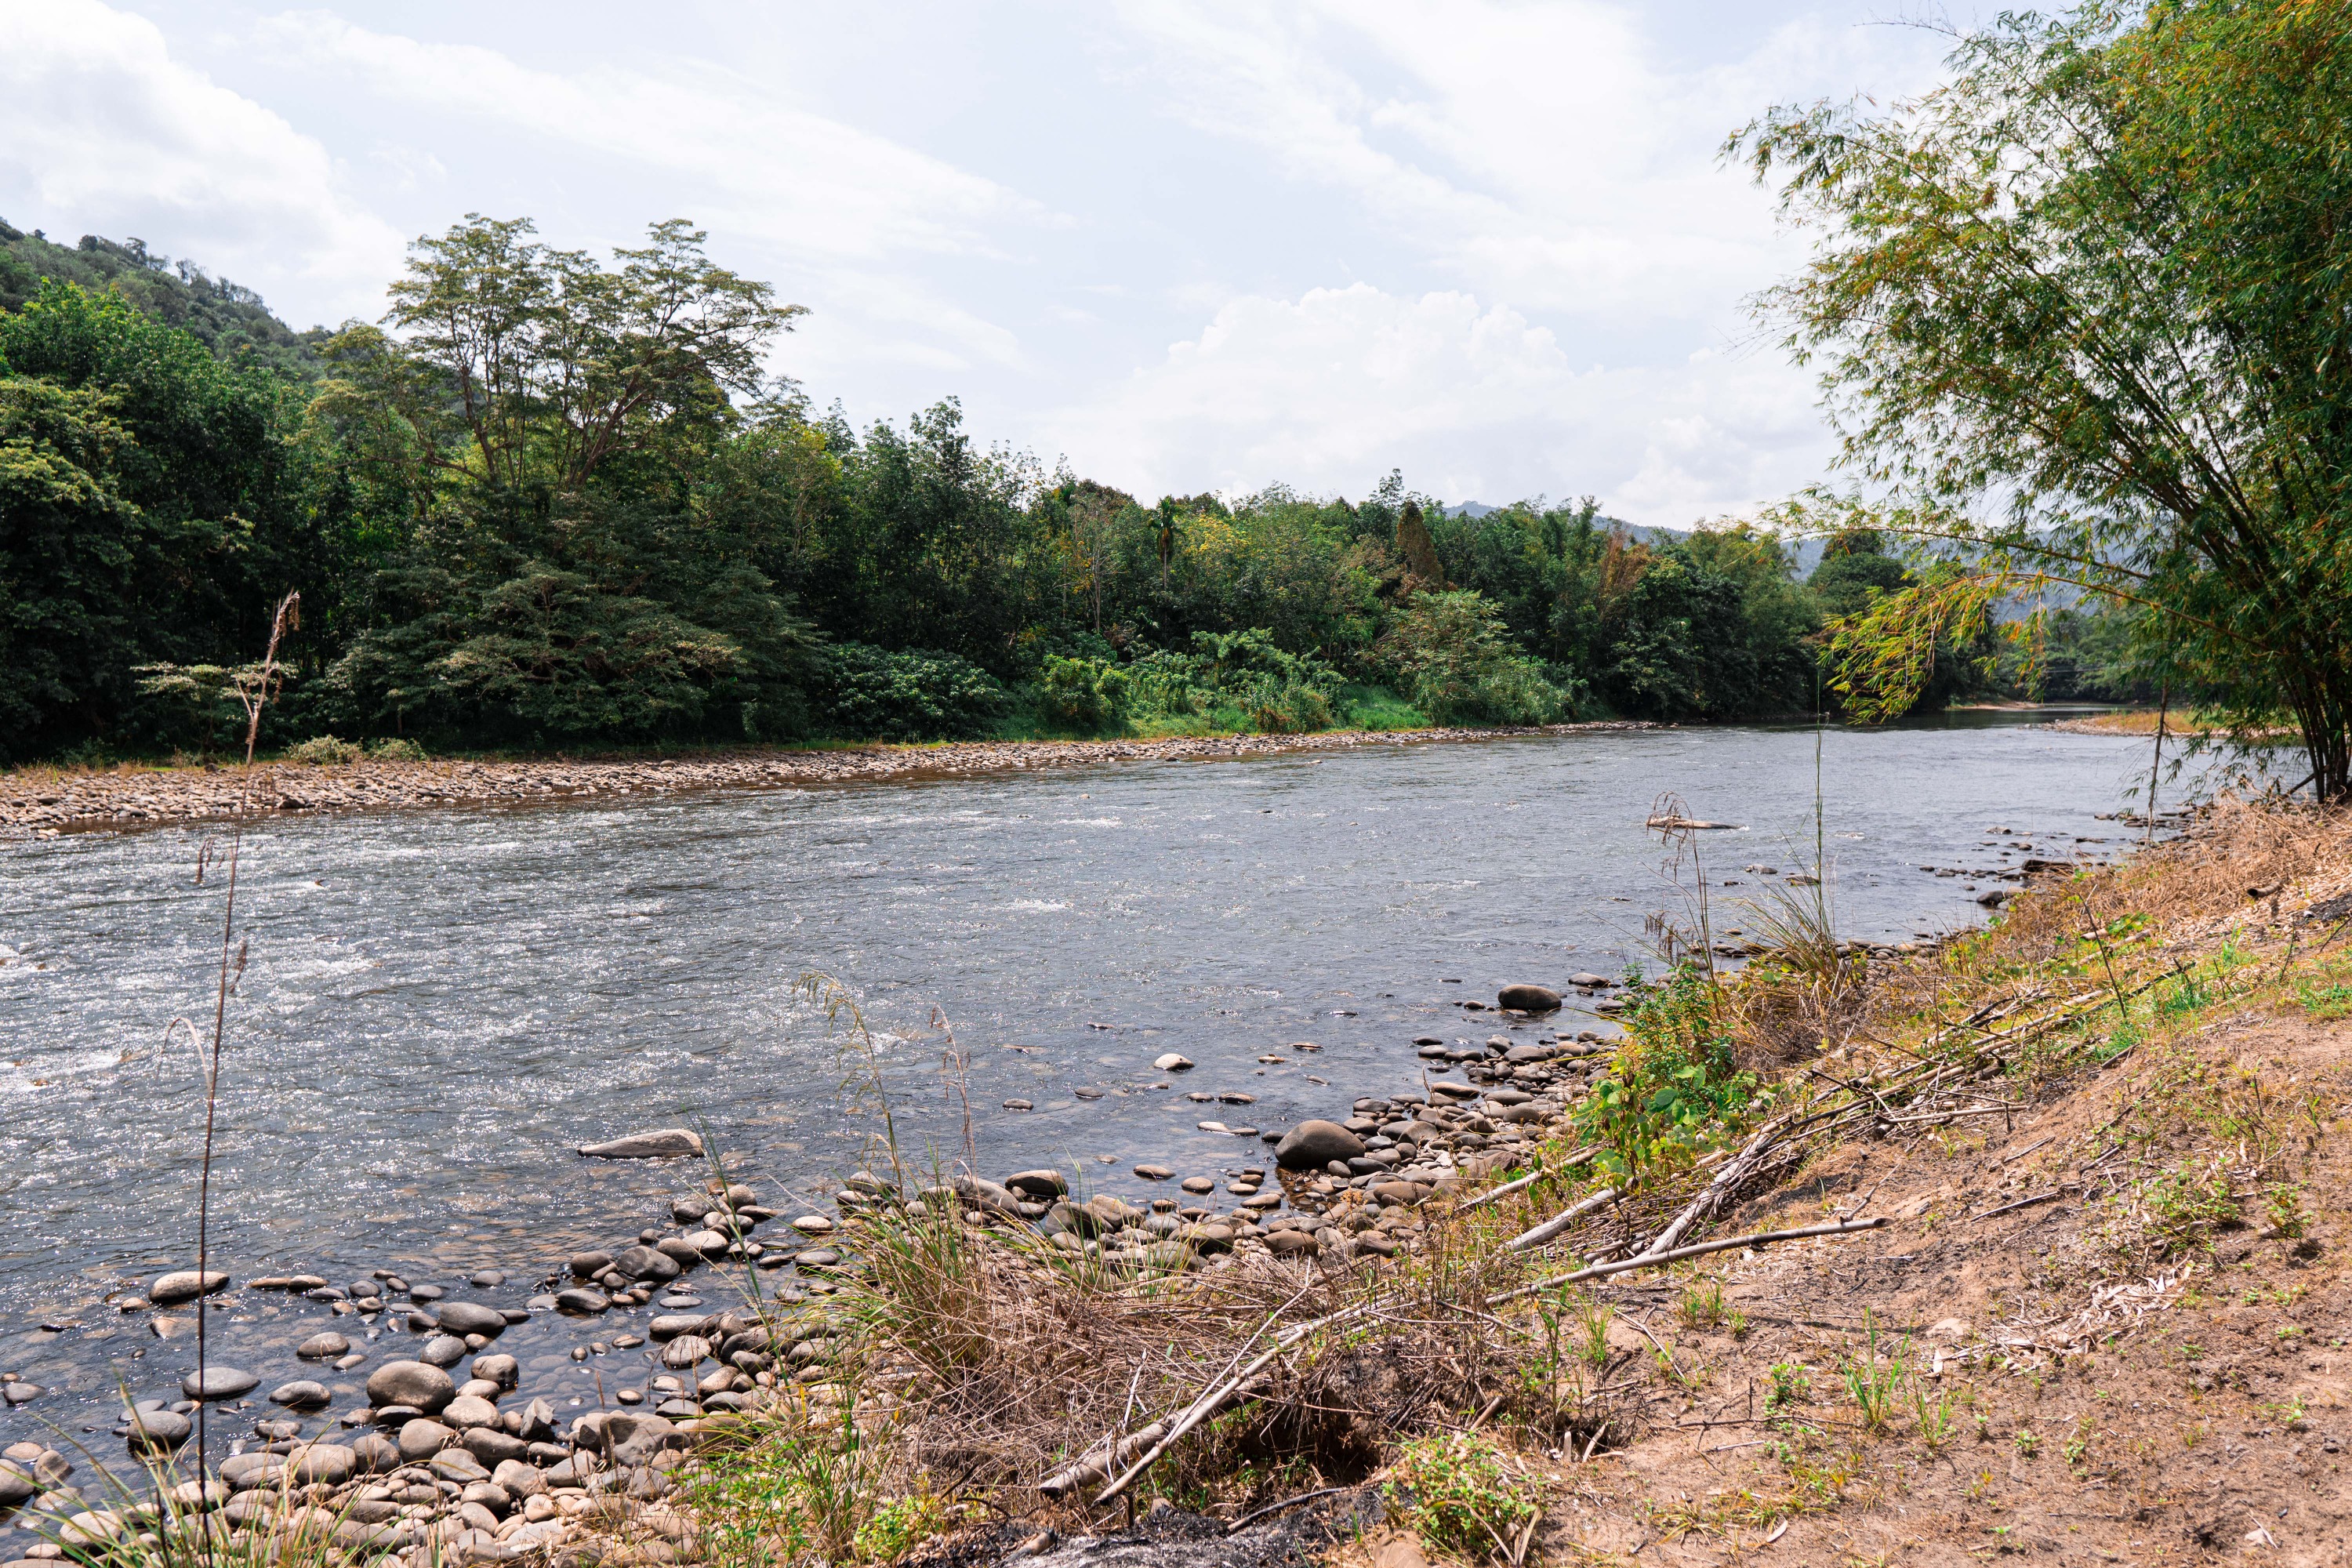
(438, 1006)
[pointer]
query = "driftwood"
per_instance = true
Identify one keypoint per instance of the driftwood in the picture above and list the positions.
(1653, 1260)
(1580, 1157)
(1098, 1462)
(1561, 1221)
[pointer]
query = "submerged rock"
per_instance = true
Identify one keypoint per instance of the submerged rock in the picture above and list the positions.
(185, 1285)
(1528, 998)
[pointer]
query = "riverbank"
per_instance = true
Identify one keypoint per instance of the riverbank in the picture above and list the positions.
(2056, 1215)
(1589, 1302)
(45, 799)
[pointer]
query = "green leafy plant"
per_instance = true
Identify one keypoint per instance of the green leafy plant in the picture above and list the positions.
(1876, 1378)
(1461, 1493)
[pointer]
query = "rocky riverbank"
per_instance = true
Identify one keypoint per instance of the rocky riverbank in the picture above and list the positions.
(454, 1449)
(41, 800)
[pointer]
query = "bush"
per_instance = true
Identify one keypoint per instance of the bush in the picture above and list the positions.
(324, 751)
(1459, 1495)
(1084, 693)
(1455, 659)
(1246, 675)
(392, 749)
(870, 694)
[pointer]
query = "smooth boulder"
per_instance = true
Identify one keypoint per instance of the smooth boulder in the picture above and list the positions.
(1311, 1145)
(218, 1383)
(185, 1285)
(462, 1318)
(1528, 998)
(1040, 1183)
(645, 1263)
(303, 1394)
(410, 1383)
(665, 1143)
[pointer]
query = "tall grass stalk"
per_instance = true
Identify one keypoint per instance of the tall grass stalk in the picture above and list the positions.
(254, 692)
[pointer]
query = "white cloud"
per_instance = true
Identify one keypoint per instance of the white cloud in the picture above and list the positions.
(100, 127)
(840, 204)
(1331, 389)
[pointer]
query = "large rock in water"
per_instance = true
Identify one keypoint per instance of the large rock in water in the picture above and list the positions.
(666, 1143)
(1528, 998)
(462, 1318)
(1311, 1145)
(410, 1383)
(185, 1285)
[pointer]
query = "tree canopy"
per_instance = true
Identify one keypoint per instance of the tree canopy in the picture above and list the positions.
(2081, 314)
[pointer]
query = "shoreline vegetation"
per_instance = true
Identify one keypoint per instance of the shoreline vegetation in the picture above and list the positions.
(1840, 1250)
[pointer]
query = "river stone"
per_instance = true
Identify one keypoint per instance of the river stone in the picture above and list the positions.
(462, 1318)
(520, 1479)
(588, 1265)
(670, 1325)
(1398, 1192)
(1528, 998)
(492, 1446)
(94, 1528)
(1198, 1184)
(666, 1143)
(629, 1437)
(443, 1349)
(685, 1350)
(218, 1383)
(1154, 1172)
(374, 1452)
(422, 1439)
(1315, 1143)
(1171, 1062)
(243, 1472)
(410, 1383)
(152, 1432)
(302, 1394)
(502, 1370)
(324, 1346)
(1588, 980)
(321, 1464)
(1039, 1183)
(468, 1411)
(1292, 1243)
(185, 1285)
(643, 1262)
(583, 1301)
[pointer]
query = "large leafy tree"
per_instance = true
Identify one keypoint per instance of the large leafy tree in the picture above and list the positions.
(151, 511)
(2083, 313)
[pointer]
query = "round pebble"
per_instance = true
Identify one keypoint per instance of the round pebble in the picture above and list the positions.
(218, 1383)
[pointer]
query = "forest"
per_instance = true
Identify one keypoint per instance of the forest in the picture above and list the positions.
(556, 501)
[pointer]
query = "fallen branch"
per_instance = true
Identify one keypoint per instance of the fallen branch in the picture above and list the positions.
(1099, 1461)
(1561, 1221)
(1580, 1157)
(1760, 1238)
(1735, 1171)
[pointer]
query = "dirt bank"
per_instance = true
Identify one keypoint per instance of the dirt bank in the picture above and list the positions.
(48, 799)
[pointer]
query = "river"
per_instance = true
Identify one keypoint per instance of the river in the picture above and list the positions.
(438, 1006)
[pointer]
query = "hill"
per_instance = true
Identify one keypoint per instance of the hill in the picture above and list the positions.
(225, 317)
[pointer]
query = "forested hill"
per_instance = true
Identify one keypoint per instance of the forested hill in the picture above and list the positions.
(219, 314)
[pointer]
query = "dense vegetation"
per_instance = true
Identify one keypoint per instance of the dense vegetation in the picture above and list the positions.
(2096, 288)
(553, 501)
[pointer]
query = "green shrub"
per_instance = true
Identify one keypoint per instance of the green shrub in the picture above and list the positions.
(1083, 693)
(324, 751)
(870, 694)
(1460, 1495)
(1455, 660)
(1243, 678)
(392, 749)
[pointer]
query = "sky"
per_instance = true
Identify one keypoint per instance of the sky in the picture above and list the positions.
(1181, 246)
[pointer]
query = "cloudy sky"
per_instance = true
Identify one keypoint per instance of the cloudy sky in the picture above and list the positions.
(1186, 245)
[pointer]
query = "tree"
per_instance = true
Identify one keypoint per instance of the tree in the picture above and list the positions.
(2097, 286)
(515, 361)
